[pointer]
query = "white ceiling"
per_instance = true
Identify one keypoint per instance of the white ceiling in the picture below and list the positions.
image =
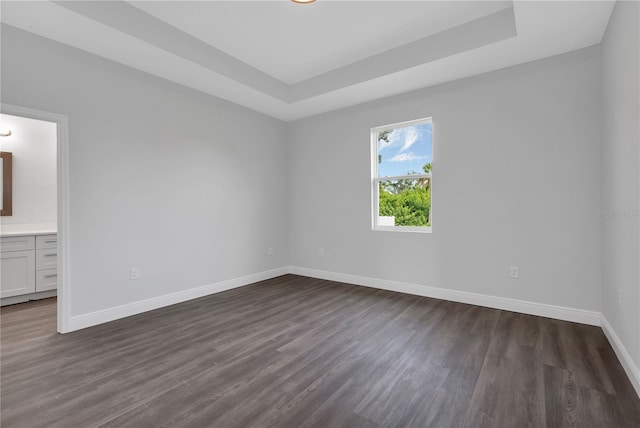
(293, 42)
(291, 61)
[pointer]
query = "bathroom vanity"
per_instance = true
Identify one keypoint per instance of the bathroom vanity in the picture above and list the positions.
(28, 263)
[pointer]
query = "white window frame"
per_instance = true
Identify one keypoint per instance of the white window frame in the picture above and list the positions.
(375, 180)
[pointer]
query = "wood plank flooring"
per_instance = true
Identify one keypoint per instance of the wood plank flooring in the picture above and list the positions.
(301, 352)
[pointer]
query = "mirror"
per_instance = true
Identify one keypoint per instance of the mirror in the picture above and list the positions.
(6, 172)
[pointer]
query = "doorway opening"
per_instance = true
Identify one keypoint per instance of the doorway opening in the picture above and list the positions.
(34, 220)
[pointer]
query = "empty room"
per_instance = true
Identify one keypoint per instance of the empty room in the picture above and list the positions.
(320, 213)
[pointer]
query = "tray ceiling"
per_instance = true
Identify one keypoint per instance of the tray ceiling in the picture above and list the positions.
(291, 61)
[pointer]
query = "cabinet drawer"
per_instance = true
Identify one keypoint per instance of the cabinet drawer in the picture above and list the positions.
(17, 243)
(17, 269)
(46, 259)
(46, 241)
(46, 280)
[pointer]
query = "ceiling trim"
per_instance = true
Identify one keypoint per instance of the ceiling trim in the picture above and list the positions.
(462, 38)
(136, 23)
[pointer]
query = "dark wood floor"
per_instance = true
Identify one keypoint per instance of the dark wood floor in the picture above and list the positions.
(300, 352)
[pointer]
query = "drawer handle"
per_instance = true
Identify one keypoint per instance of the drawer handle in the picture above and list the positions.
(51, 275)
(49, 242)
(50, 254)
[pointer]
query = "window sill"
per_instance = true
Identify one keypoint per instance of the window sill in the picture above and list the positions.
(403, 229)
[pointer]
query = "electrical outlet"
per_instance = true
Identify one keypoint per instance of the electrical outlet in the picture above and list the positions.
(321, 252)
(134, 273)
(514, 272)
(619, 298)
(270, 251)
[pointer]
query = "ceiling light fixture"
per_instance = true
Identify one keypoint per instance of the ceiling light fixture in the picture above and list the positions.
(4, 132)
(303, 1)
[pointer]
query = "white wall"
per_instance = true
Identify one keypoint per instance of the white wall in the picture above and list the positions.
(185, 186)
(516, 182)
(621, 175)
(33, 144)
(193, 190)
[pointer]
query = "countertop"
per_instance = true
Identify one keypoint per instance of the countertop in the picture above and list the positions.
(28, 229)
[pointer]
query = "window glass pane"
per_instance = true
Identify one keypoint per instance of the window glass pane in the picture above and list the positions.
(406, 150)
(405, 202)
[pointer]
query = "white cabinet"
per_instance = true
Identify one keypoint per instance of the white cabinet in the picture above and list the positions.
(28, 266)
(46, 280)
(18, 272)
(17, 243)
(46, 262)
(46, 259)
(47, 241)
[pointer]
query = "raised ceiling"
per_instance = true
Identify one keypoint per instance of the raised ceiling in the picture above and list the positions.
(293, 43)
(291, 61)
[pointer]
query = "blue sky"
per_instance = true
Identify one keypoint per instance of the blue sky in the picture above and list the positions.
(408, 149)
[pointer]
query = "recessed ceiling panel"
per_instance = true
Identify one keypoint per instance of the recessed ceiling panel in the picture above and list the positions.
(329, 55)
(294, 42)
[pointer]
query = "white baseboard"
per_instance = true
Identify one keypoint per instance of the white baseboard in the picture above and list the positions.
(633, 372)
(105, 315)
(532, 308)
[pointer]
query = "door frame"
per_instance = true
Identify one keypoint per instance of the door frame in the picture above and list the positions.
(62, 122)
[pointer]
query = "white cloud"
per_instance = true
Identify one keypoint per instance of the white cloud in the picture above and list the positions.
(406, 157)
(411, 135)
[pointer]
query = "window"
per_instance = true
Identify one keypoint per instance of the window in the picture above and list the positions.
(401, 156)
